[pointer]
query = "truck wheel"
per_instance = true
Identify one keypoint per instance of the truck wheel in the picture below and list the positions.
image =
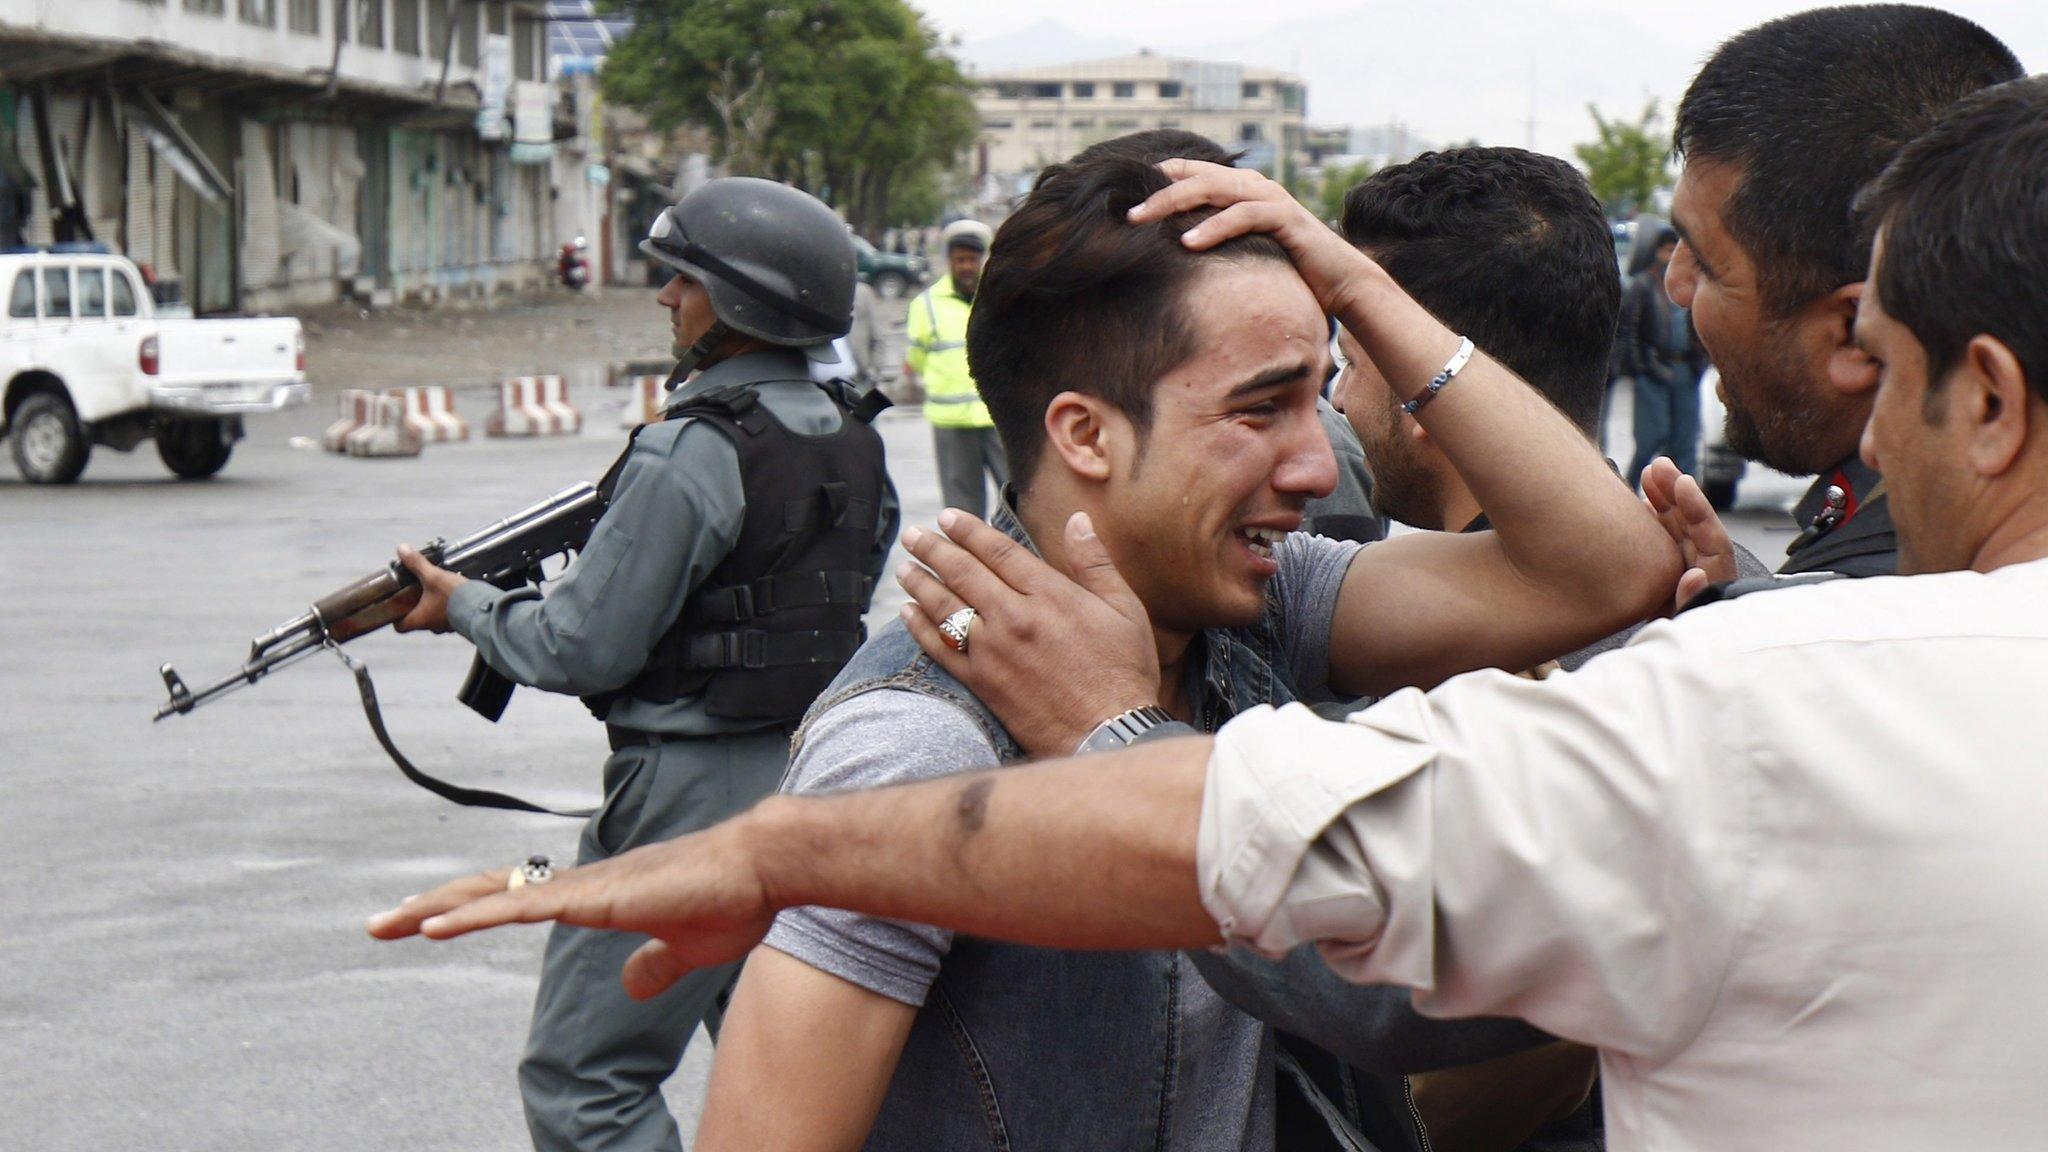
(49, 446)
(891, 285)
(194, 449)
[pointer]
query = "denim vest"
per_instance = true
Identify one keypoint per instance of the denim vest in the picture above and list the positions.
(1037, 1048)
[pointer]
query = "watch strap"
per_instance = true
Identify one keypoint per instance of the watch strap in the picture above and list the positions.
(1120, 730)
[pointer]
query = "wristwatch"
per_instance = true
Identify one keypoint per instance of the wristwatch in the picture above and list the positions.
(1120, 730)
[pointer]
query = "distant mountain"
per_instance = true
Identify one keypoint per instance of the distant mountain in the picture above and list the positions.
(1046, 42)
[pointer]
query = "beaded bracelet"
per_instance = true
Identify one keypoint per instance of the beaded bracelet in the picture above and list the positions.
(1436, 384)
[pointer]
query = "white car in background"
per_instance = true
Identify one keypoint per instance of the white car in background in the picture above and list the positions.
(86, 360)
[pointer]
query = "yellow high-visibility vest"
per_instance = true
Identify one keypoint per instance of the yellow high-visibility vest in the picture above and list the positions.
(937, 352)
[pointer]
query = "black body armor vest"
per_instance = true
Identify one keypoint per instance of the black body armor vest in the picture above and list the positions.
(771, 626)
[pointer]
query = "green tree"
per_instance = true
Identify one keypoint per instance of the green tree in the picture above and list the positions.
(854, 101)
(1629, 162)
(1336, 182)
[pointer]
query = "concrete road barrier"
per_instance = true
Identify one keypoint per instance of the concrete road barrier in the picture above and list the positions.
(430, 411)
(356, 411)
(388, 433)
(533, 406)
(643, 403)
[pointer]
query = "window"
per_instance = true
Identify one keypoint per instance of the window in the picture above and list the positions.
(1169, 123)
(341, 21)
(259, 12)
(370, 23)
(1084, 91)
(999, 125)
(437, 28)
(1169, 90)
(57, 293)
(124, 294)
(465, 32)
(1123, 91)
(1251, 90)
(206, 7)
(1250, 132)
(303, 16)
(1082, 125)
(92, 293)
(1046, 91)
(1009, 91)
(405, 26)
(1044, 125)
(1121, 125)
(496, 14)
(21, 302)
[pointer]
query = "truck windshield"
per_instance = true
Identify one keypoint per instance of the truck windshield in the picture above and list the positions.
(21, 301)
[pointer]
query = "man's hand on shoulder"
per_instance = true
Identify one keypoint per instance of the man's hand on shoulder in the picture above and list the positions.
(1052, 657)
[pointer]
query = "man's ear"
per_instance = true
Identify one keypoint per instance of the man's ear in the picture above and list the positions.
(1990, 391)
(1086, 434)
(1850, 371)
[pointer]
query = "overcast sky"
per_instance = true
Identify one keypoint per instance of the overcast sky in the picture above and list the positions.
(1452, 69)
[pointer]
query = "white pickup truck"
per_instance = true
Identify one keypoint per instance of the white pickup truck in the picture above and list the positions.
(85, 360)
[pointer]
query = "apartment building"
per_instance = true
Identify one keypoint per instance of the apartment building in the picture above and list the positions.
(266, 154)
(1032, 117)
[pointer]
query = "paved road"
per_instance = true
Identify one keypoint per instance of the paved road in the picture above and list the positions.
(180, 922)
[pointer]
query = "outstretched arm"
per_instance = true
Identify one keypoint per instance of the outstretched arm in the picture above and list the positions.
(1001, 854)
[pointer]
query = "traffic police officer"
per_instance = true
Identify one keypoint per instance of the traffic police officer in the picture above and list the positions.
(963, 434)
(722, 590)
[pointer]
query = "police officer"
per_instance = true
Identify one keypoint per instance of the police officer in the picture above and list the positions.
(722, 590)
(963, 435)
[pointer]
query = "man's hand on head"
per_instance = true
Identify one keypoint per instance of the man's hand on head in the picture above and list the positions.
(1689, 517)
(1053, 657)
(1253, 202)
(699, 896)
(436, 585)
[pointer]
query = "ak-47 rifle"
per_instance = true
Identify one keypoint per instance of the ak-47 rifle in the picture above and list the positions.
(506, 554)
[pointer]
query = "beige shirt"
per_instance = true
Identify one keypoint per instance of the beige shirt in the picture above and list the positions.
(1784, 861)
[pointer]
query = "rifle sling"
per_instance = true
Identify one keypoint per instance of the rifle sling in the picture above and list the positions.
(469, 797)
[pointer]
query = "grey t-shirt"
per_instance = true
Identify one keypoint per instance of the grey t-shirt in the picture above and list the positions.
(893, 736)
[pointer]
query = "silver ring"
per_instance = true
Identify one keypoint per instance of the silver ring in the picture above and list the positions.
(536, 870)
(955, 627)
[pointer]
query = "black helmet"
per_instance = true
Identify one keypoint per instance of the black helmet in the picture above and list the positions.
(778, 265)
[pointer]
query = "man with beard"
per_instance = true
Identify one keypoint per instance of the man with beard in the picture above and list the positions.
(1780, 130)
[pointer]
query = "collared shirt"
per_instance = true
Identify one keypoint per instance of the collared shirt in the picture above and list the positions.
(1781, 860)
(673, 518)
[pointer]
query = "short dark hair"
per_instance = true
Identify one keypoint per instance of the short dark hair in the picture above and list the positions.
(1811, 107)
(1508, 247)
(1077, 298)
(1966, 230)
(1155, 145)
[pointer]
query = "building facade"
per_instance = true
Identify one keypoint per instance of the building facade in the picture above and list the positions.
(260, 155)
(1032, 117)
